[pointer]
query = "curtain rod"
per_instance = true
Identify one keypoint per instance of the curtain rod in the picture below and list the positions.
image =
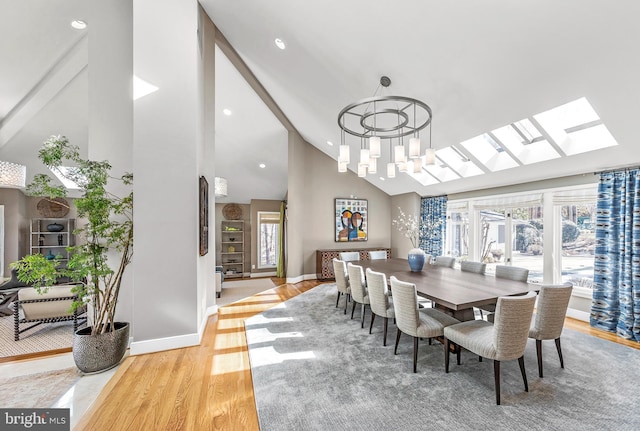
(621, 168)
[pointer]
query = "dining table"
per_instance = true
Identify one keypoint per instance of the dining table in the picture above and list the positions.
(451, 290)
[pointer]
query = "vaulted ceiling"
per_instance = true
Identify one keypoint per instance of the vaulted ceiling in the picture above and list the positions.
(478, 65)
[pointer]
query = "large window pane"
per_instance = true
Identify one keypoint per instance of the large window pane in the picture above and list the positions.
(526, 225)
(458, 235)
(578, 243)
(268, 237)
(492, 238)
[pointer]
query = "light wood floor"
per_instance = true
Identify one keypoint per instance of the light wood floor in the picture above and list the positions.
(206, 387)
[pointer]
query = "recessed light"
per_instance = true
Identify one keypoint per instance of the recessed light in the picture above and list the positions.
(262, 165)
(280, 43)
(329, 143)
(78, 24)
(381, 178)
(226, 111)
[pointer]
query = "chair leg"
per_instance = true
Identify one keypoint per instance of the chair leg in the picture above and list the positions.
(353, 308)
(458, 350)
(524, 373)
(559, 352)
(346, 302)
(446, 355)
(384, 333)
(496, 378)
(373, 316)
(395, 351)
(338, 300)
(415, 353)
(539, 353)
(362, 317)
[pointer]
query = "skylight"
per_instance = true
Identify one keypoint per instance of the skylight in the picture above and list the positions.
(62, 173)
(569, 129)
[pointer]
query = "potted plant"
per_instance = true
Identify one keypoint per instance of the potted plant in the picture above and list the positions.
(106, 225)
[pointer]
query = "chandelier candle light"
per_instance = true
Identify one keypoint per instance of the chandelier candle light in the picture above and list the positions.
(379, 118)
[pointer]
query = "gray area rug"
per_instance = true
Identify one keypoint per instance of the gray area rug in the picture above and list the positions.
(315, 369)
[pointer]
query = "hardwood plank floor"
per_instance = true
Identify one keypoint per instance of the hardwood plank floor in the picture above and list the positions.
(205, 387)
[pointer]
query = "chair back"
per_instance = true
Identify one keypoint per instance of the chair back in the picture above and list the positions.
(350, 256)
(512, 272)
(357, 282)
(342, 279)
(378, 292)
(445, 261)
(405, 305)
(511, 325)
(551, 310)
(379, 254)
(46, 309)
(471, 266)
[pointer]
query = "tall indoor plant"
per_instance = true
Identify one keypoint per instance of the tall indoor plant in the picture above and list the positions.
(106, 223)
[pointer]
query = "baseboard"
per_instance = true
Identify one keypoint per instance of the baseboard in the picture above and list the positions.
(298, 279)
(578, 314)
(263, 274)
(161, 344)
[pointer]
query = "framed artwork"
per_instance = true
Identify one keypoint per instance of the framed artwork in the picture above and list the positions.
(351, 219)
(204, 216)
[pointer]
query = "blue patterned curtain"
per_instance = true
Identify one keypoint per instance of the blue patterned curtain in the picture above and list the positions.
(433, 224)
(616, 287)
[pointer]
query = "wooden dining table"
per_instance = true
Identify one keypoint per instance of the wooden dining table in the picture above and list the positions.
(452, 290)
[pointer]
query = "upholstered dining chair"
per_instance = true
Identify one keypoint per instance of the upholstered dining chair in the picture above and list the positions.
(445, 261)
(423, 323)
(548, 321)
(381, 304)
(515, 273)
(358, 286)
(378, 254)
(503, 340)
(342, 282)
(476, 268)
(350, 256)
(471, 266)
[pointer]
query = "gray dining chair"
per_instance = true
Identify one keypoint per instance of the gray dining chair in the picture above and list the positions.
(504, 340)
(378, 254)
(418, 323)
(514, 273)
(548, 322)
(476, 268)
(380, 302)
(350, 256)
(342, 282)
(445, 261)
(358, 286)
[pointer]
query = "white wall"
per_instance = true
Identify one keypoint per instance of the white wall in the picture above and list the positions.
(166, 151)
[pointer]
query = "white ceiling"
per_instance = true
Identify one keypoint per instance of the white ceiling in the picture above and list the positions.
(479, 65)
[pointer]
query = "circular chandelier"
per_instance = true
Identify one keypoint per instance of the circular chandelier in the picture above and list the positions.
(385, 117)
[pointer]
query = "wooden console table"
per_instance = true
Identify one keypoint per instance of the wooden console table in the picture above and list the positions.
(324, 258)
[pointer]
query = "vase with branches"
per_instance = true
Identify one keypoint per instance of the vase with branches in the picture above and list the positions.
(415, 229)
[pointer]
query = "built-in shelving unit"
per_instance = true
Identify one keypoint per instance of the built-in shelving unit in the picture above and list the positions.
(51, 237)
(232, 248)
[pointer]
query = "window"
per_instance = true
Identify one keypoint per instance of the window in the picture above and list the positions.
(520, 229)
(268, 239)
